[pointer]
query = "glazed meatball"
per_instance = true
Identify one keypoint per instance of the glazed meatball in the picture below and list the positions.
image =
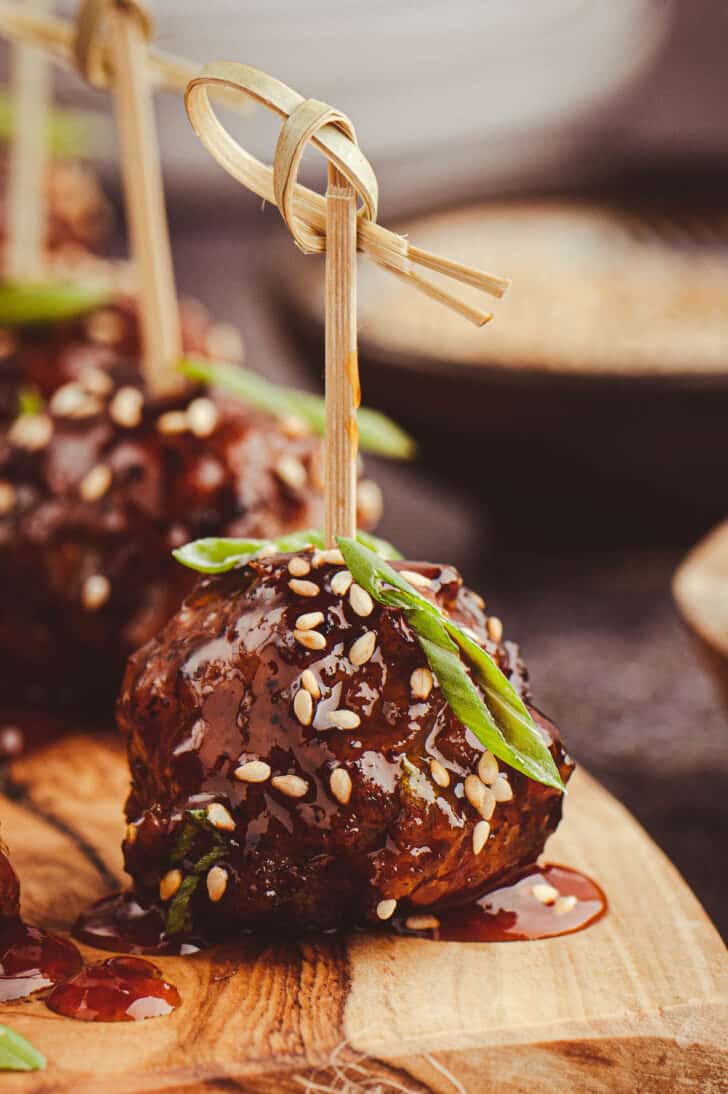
(97, 489)
(285, 734)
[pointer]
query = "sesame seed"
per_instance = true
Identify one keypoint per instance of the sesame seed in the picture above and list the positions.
(565, 904)
(105, 327)
(386, 909)
(421, 682)
(299, 567)
(217, 879)
(293, 786)
(95, 591)
(340, 783)
(293, 427)
(96, 382)
(360, 600)
(95, 482)
(126, 407)
(439, 773)
(224, 342)
(220, 817)
(480, 796)
(253, 771)
(422, 922)
(414, 578)
(67, 400)
(310, 640)
(269, 551)
(544, 893)
(303, 588)
(310, 683)
(341, 583)
(480, 836)
(131, 833)
(291, 471)
(202, 417)
(169, 884)
(362, 650)
(303, 707)
(331, 557)
(369, 502)
(309, 620)
(172, 422)
(7, 498)
(344, 719)
(488, 768)
(31, 431)
(502, 789)
(494, 628)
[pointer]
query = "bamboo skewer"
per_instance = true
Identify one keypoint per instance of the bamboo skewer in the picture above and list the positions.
(145, 206)
(304, 210)
(128, 30)
(56, 38)
(342, 369)
(27, 183)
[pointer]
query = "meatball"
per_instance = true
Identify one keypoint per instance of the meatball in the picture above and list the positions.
(291, 751)
(97, 489)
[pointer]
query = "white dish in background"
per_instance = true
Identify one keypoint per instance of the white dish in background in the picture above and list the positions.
(447, 98)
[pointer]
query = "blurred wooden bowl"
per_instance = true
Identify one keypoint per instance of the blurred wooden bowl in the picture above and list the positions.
(593, 407)
(700, 588)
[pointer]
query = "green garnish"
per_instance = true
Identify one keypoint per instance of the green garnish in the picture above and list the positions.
(500, 721)
(47, 301)
(17, 1054)
(30, 401)
(378, 434)
(195, 825)
(217, 555)
(70, 132)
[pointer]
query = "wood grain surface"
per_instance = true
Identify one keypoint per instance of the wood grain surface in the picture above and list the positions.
(637, 1002)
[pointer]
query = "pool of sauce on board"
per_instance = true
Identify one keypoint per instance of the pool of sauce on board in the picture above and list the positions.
(30, 959)
(510, 913)
(513, 912)
(119, 989)
(121, 923)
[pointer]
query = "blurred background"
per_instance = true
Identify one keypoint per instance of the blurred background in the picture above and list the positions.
(574, 450)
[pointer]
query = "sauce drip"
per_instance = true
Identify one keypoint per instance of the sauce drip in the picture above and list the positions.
(121, 923)
(30, 959)
(514, 913)
(120, 989)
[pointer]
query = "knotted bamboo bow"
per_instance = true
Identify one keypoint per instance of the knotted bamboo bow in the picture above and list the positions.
(303, 210)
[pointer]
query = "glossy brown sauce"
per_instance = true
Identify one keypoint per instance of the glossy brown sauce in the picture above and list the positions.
(32, 959)
(513, 913)
(121, 923)
(120, 989)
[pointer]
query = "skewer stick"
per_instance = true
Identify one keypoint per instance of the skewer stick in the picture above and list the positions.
(342, 368)
(144, 202)
(27, 196)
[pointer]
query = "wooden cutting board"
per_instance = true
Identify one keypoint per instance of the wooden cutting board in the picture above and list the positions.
(635, 1003)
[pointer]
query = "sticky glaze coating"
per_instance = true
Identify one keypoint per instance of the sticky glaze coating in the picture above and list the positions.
(89, 516)
(217, 690)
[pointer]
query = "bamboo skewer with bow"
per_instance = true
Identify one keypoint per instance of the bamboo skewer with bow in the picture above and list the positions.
(330, 224)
